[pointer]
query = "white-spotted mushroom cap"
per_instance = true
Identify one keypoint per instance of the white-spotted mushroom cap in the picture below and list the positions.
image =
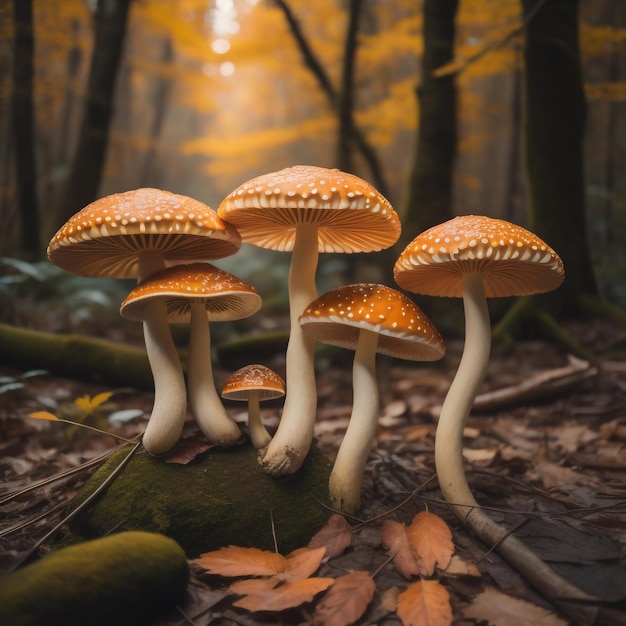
(404, 331)
(512, 260)
(110, 236)
(351, 215)
(254, 378)
(225, 296)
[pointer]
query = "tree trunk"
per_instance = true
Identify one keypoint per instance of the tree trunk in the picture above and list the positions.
(88, 163)
(554, 120)
(346, 95)
(149, 177)
(23, 129)
(429, 198)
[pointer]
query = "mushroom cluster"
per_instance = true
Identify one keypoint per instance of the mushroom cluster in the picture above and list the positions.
(167, 241)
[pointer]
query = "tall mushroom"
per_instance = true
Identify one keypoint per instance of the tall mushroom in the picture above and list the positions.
(477, 257)
(133, 235)
(199, 293)
(254, 383)
(369, 319)
(306, 210)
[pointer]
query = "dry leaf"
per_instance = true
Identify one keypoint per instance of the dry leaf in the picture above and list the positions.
(285, 596)
(431, 542)
(425, 603)
(396, 542)
(346, 600)
(336, 536)
(302, 563)
(187, 450)
(499, 609)
(253, 585)
(89, 404)
(459, 567)
(236, 561)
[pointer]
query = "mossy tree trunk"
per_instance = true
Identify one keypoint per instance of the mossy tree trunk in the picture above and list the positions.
(429, 198)
(554, 122)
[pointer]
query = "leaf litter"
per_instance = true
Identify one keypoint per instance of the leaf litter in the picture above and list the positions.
(550, 465)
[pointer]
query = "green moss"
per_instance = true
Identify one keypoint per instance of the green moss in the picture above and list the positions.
(124, 579)
(222, 498)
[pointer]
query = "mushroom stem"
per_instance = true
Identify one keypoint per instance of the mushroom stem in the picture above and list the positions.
(170, 395)
(214, 421)
(460, 397)
(449, 456)
(259, 436)
(346, 477)
(289, 446)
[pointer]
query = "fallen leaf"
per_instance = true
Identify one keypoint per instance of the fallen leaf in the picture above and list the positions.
(248, 586)
(335, 536)
(425, 603)
(431, 542)
(187, 450)
(495, 608)
(302, 563)
(395, 539)
(346, 601)
(44, 415)
(237, 561)
(459, 567)
(284, 596)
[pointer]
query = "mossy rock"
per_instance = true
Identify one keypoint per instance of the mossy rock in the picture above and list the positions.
(221, 498)
(129, 578)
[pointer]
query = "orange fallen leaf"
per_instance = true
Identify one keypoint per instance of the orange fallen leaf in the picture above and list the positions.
(44, 415)
(285, 596)
(346, 601)
(425, 603)
(302, 563)
(247, 586)
(431, 542)
(237, 561)
(89, 404)
(458, 567)
(335, 536)
(396, 542)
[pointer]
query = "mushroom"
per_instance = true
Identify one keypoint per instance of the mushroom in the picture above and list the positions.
(133, 235)
(254, 383)
(369, 319)
(306, 210)
(199, 293)
(473, 257)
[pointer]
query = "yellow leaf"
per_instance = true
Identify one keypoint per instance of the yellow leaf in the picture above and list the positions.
(43, 415)
(431, 542)
(425, 603)
(237, 561)
(89, 404)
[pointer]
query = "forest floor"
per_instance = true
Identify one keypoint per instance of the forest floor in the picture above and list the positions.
(549, 460)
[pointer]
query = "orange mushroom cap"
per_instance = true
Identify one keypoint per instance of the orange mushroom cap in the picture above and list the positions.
(351, 215)
(512, 260)
(225, 296)
(404, 331)
(108, 235)
(258, 378)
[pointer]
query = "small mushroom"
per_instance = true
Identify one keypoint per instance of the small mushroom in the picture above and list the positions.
(473, 257)
(133, 235)
(306, 210)
(254, 383)
(369, 319)
(198, 293)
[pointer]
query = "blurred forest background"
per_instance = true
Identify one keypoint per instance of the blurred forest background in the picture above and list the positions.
(209, 93)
